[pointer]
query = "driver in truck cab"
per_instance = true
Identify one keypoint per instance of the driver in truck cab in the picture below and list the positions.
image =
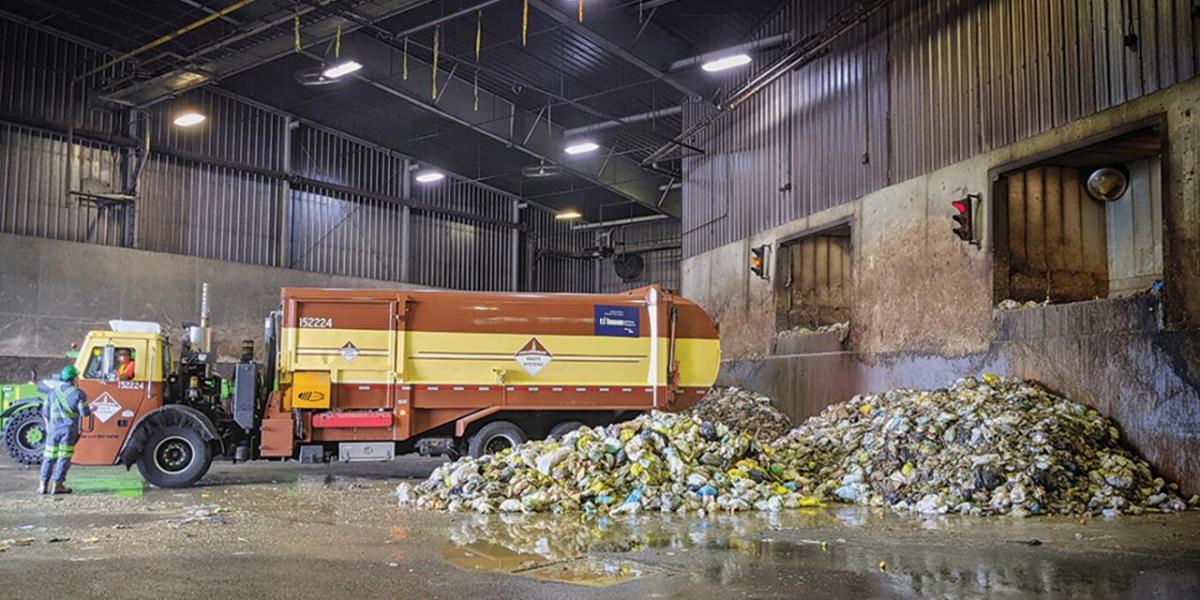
(65, 405)
(125, 365)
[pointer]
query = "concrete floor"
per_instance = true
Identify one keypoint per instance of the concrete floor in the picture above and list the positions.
(289, 531)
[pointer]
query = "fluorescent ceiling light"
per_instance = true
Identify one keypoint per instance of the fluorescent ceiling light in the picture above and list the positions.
(726, 62)
(430, 176)
(568, 215)
(581, 147)
(343, 68)
(189, 118)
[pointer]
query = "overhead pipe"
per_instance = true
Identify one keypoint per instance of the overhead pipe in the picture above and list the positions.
(646, 116)
(617, 222)
(798, 55)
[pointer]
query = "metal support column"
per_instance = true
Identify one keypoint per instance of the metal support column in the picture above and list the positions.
(405, 218)
(284, 258)
(516, 247)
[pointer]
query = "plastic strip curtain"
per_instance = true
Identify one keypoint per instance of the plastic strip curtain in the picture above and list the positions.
(436, 34)
(478, 41)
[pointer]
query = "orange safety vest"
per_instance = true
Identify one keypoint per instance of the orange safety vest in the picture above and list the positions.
(125, 370)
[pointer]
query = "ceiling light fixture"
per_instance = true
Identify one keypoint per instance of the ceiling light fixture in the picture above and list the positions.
(189, 118)
(430, 176)
(726, 62)
(340, 69)
(581, 147)
(568, 215)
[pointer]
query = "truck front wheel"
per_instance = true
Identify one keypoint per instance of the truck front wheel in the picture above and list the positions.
(174, 457)
(495, 437)
(25, 436)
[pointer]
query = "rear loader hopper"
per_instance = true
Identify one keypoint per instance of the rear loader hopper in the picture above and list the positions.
(369, 374)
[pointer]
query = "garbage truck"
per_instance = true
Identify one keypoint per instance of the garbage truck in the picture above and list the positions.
(357, 375)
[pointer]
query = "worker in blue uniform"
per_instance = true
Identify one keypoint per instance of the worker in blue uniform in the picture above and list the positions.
(63, 409)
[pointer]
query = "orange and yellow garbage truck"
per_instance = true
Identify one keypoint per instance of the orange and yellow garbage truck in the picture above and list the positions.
(369, 374)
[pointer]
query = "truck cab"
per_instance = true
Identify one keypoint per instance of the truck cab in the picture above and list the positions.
(119, 396)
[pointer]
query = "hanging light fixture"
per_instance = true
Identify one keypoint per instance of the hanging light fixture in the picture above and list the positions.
(189, 118)
(568, 215)
(430, 176)
(726, 62)
(581, 147)
(341, 69)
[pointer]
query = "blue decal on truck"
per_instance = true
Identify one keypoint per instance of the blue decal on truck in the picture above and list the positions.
(619, 321)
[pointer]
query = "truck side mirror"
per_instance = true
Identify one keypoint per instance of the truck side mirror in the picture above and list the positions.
(108, 359)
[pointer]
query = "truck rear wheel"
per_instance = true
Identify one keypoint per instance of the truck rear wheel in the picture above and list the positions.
(563, 428)
(175, 457)
(25, 436)
(495, 437)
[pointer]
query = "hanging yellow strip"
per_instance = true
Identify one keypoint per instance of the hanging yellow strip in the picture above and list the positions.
(478, 32)
(580, 11)
(476, 90)
(337, 43)
(524, 23)
(296, 27)
(405, 65)
(436, 31)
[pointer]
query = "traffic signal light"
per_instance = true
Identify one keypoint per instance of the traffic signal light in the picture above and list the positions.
(758, 261)
(964, 218)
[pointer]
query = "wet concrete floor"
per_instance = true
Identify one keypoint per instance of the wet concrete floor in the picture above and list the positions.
(270, 530)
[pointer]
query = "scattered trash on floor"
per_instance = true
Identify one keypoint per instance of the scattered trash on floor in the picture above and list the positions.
(1010, 304)
(200, 513)
(745, 410)
(982, 446)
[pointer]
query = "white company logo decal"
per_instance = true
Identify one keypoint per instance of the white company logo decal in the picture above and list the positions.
(104, 407)
(533, 357)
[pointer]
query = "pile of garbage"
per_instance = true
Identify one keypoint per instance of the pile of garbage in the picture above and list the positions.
(743, 410)
(660, 461)
(982, 446)
(990, 446)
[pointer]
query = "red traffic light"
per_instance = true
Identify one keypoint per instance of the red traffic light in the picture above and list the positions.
(964, 222)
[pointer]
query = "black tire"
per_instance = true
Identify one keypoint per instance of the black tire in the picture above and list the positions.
(175, 457)
(563, 428)
(25, 437)
(494, 437)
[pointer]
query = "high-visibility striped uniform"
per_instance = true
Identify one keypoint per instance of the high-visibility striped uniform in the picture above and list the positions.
(62, 410)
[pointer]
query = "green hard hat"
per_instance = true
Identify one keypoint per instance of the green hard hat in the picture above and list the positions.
(68, 373)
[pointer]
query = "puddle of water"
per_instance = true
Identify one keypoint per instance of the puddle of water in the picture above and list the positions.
(589, 571)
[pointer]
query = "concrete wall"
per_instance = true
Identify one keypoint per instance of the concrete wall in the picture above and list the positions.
(54, 292)
(922, 311)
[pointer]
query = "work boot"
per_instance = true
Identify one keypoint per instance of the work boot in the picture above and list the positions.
(59, 487)
(41, 488)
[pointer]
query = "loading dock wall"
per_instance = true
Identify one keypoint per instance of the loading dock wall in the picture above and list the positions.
(922, 311)
(53, 292)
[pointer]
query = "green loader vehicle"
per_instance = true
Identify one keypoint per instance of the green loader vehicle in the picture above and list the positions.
(24, 433)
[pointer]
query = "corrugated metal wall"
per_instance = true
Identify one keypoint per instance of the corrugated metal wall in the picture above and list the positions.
(920, 85)
(813, 277)
(245, 186)
(33, 199)
(658, 243)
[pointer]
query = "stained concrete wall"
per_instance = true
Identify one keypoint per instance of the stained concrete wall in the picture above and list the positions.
(922, 310)
(52, 293)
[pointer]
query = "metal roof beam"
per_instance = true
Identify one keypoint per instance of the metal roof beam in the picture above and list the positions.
(612, 47)
(500, 120)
